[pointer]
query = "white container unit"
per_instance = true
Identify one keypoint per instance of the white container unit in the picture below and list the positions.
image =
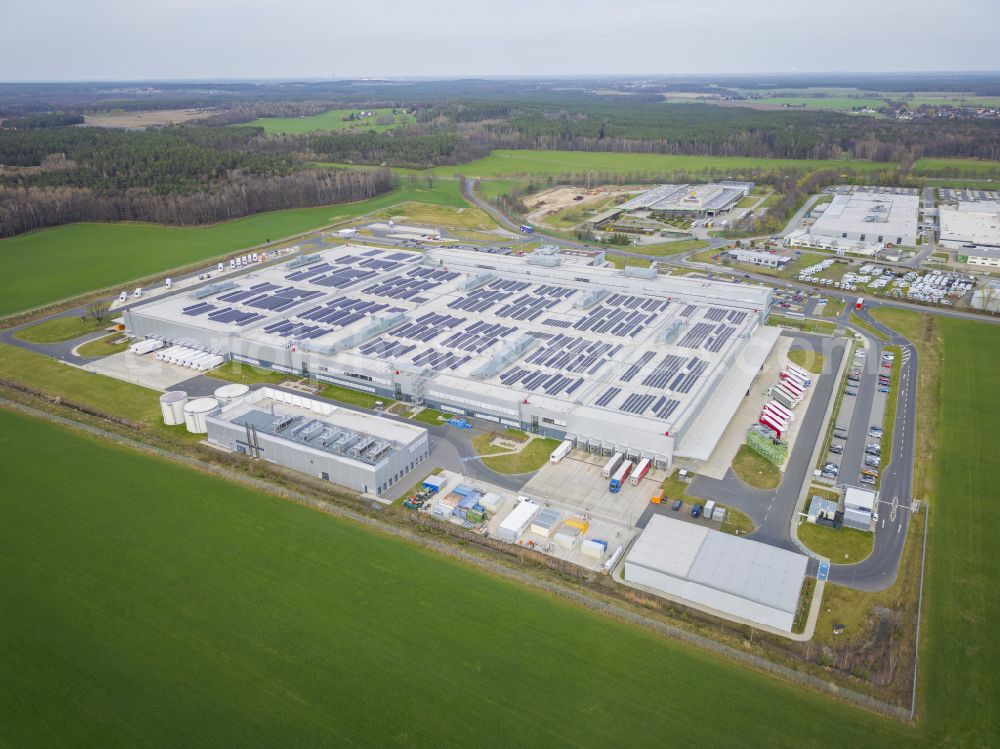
(708, 510)
(719, 514)
(231, 393)
(211, 363)
(172, 406)
(140, 348)
(591, 548)
(194, 361)
(561, 452)
(196, 411)
(612, 465)
(568, 537)
(491, 501)
(517, 522)
(546, 522)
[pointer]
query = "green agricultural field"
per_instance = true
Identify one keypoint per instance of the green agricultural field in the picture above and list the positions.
(957, 465)
(954, 100)
(542, 163)
(332, 120)
(197, 611)
(49, 265)
(974, 168)
(835, 103)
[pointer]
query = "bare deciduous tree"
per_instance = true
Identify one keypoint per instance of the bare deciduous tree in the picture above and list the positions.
(98, 310)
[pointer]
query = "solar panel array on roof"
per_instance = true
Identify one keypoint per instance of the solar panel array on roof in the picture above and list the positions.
(410, 284)
(697, 335)
(634, 369)
(386, 349)
(312, 270)
(438, 360)
(722, 334)
(689, 310)
(280, 299)
(486, 297)
(607, 396)
(667, 368)
(573, 354)
(535, 380)
(478, 336)
(616, 322)
(531, 306)
(716, 314)
(426, 327)
(637, 302)
(684, 381)
(737, 316)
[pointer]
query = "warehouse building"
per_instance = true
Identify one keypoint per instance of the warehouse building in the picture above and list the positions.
(615, 360)
(664, 201)
(973, 229)
(859, 508)
(763, 259)
(862, 224)
(733, 576)
(357, 450)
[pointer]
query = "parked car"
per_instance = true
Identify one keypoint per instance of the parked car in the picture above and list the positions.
(837, 449)
(676, 505)
(867, 480)
(696, 511)
(850, 392)
(872, 461)
(883, 390)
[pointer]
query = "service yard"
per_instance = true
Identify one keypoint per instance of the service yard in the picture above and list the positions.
(549, 207)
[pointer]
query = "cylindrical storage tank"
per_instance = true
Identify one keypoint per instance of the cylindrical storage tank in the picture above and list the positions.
(231, 393)
(172, 407)
(196, 411)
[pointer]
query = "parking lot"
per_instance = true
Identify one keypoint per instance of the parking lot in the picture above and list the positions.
(576, 483)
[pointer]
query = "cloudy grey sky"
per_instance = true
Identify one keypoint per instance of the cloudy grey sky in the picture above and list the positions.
(143, 39)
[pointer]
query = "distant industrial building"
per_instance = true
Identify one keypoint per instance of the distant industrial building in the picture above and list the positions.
(987, 297)
(973, 229)
(615, 360)
(735, 576)
(360, 451)
(763, 259)
(665, 201)
(862, 224)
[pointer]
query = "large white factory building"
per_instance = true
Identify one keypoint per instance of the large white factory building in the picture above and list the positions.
(651, 365)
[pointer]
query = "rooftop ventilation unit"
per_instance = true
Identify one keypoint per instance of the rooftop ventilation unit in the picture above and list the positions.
(549, 261)
(212, 288)
(504, 356)
(303, 260)
(474, 282)
(637, 271)
(591, 298)
(671, 330)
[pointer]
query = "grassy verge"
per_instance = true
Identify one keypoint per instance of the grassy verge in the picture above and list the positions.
(42, 374)
(834, 307)
(531, 458)
(235, 371)
(104, 346)
(839, 545)
(439, 215)
(755, 469)
(428, 416)
(811, 361)
(838, 400)
(889, 417)
(804, 324)
(856, 320)
(736, 522)
(59, 329)
(352, 397)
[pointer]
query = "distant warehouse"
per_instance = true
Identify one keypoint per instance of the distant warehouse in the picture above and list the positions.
(763, 259)
(862, 224)
(665, 201)
(973, 229)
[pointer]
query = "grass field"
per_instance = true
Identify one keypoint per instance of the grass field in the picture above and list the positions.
(530, 458)
(104, 346)
(504, 163)
(805, 325)
(332, 120)
(52, 264)
(956, 471)
(755, 470)
(235, 371)
(839, 545)
(809, 360)
(867, 327)
(835, 103)
(465, 217)
(957, 168)
(59, 329)
(202, 612)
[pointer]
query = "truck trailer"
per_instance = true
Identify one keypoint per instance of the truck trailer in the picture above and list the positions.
(618, 480)
(561, 452)
(640, 472)
(612, 465)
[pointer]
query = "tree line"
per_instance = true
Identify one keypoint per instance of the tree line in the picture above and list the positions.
(23, 208)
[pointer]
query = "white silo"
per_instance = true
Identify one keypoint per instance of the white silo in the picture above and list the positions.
(231, 393)
(172, 407)
(196, 411)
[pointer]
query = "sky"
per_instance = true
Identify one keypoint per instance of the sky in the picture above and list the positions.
(212, 39)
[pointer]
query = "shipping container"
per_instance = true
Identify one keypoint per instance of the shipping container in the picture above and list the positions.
(709, 509)
(640, 472)
(612, 465)
(561, 452)
(517, 522)
(618, 480)
(802, 374)
(781, 410)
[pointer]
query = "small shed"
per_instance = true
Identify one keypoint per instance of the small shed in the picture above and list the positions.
(435, 483)
(546, 522)
(820, 508)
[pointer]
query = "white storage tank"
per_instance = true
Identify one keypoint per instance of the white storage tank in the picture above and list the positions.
(231, 393)
(172, 407)
(196, 411)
